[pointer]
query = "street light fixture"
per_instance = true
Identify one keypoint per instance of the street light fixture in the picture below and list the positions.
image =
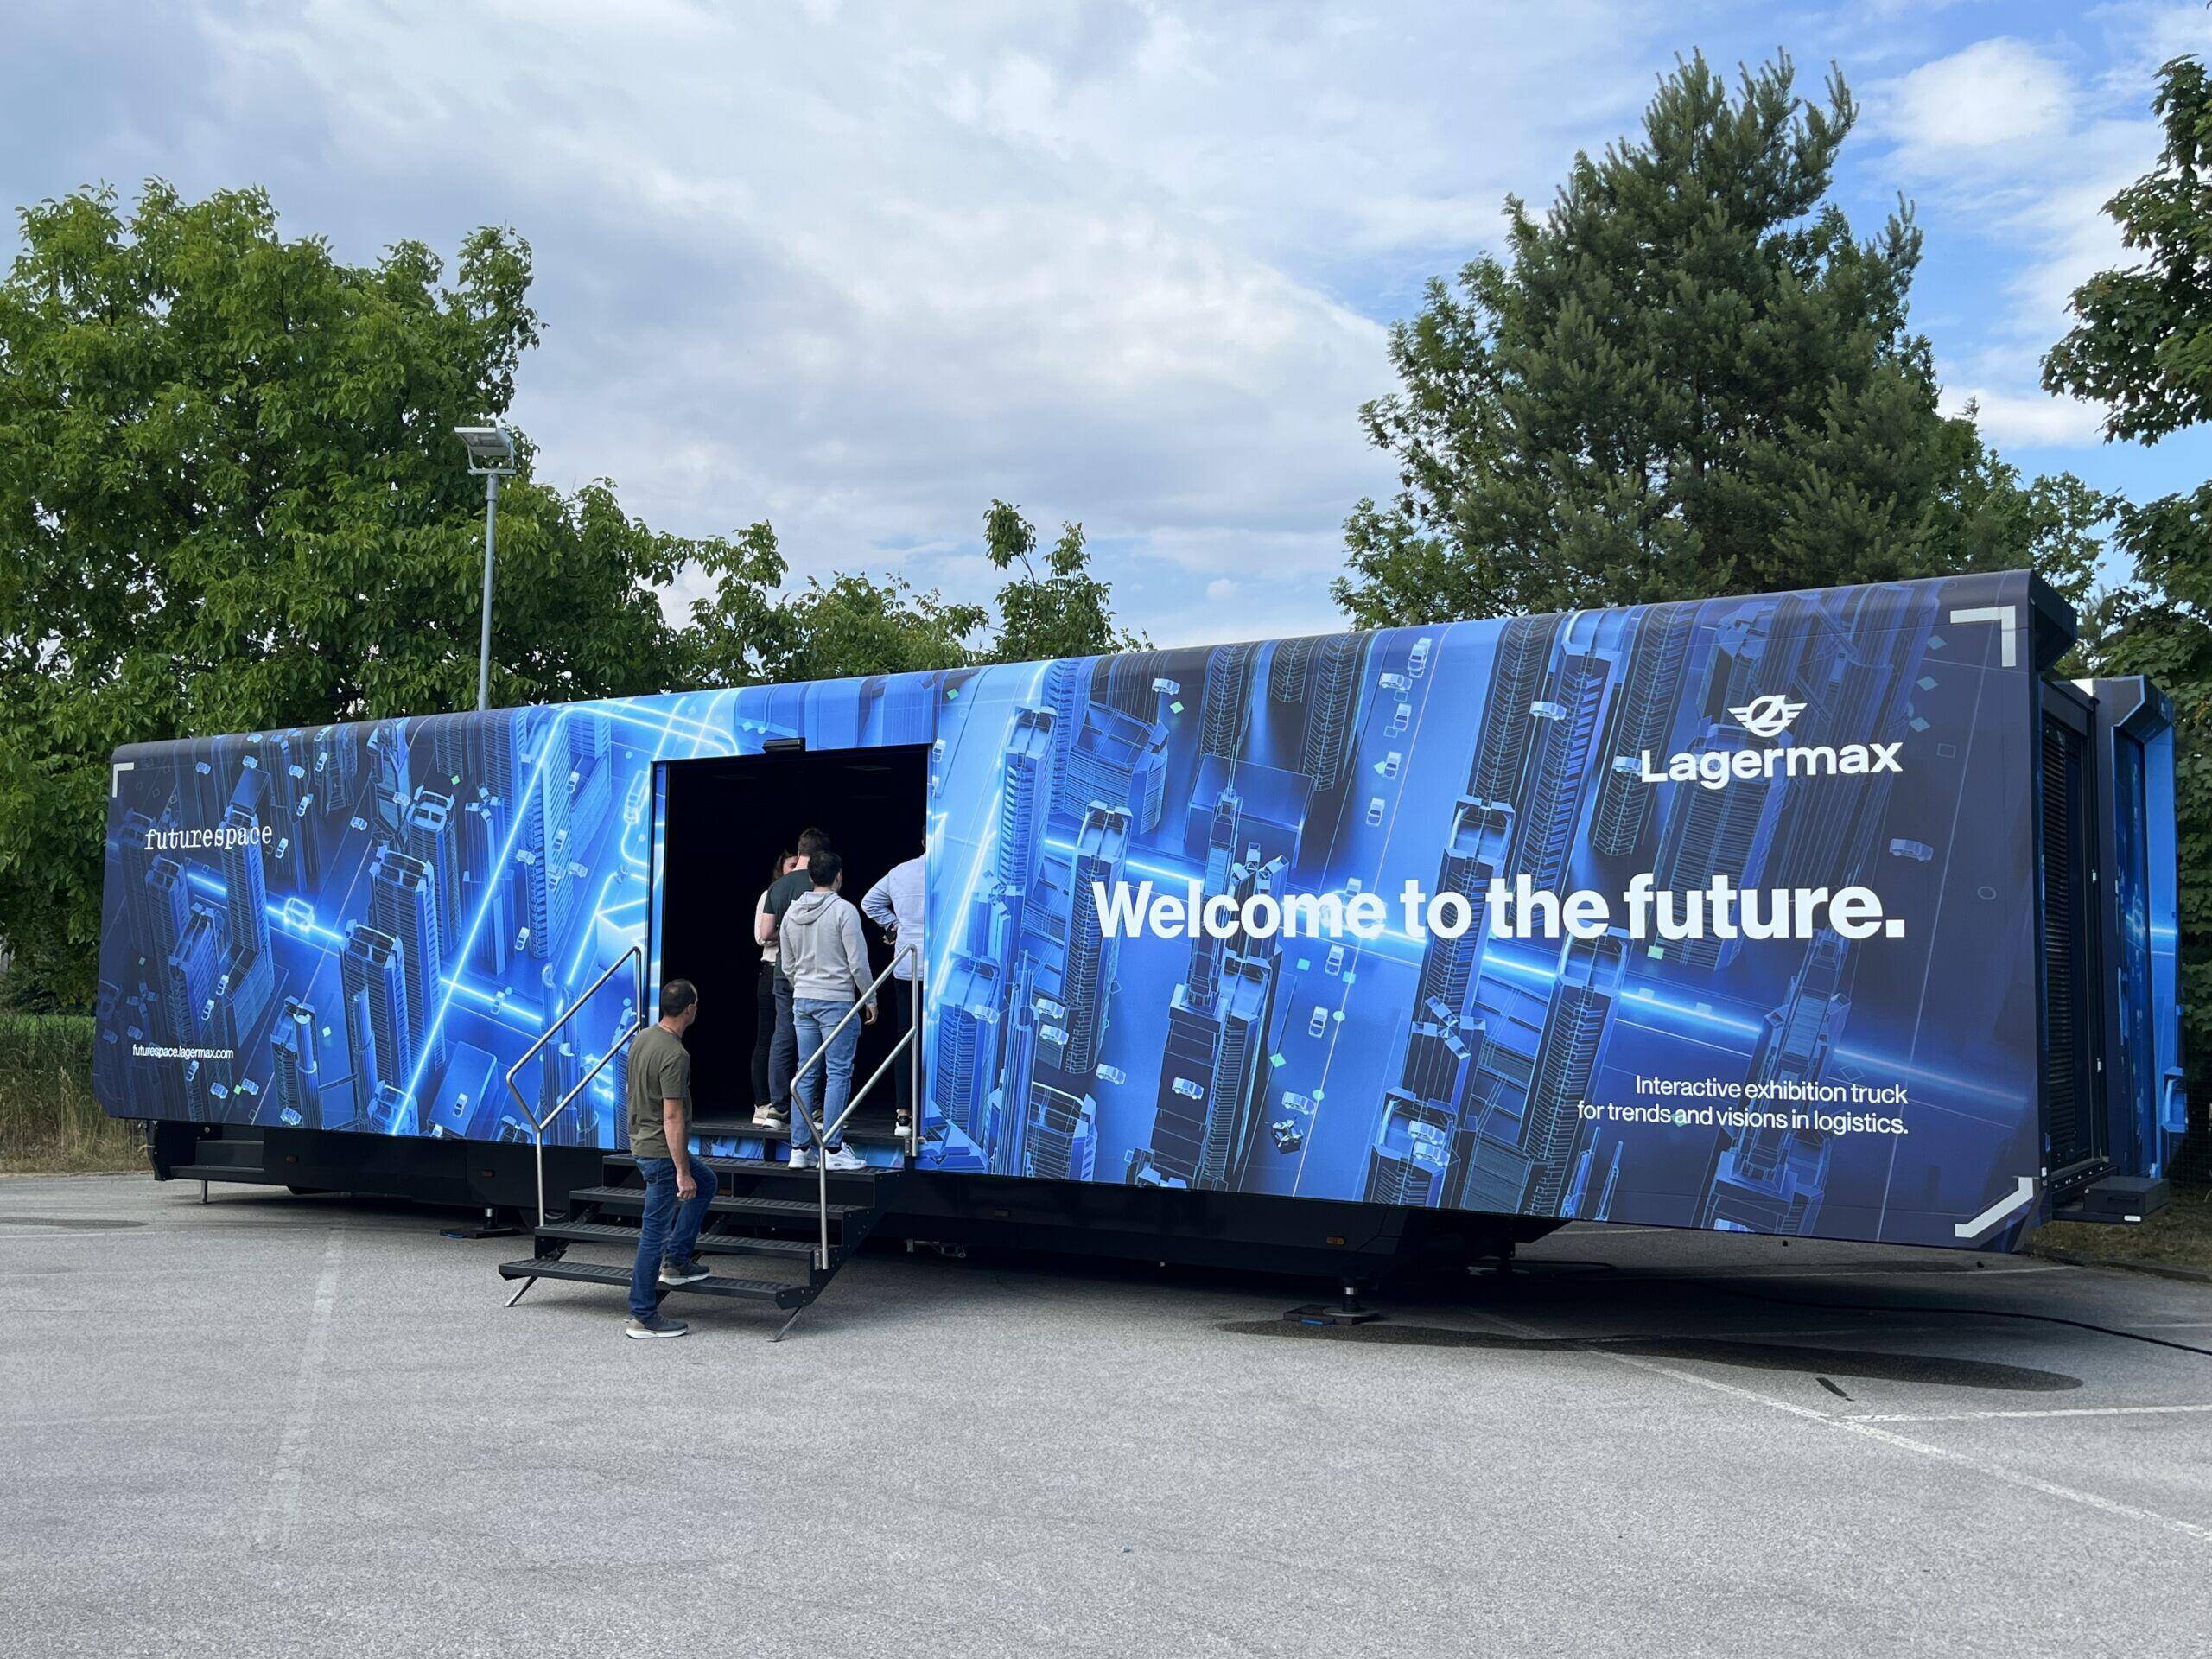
(490, 457)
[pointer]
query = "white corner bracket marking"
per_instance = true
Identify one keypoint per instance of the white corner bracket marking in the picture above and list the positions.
(1996, 1212)
(114, 782)
(2006, 616)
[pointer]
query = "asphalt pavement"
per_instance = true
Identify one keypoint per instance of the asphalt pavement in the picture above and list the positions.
(298, 1427)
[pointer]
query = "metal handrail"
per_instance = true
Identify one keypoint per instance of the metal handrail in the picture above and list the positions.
(537, 1125)
(821, 1135)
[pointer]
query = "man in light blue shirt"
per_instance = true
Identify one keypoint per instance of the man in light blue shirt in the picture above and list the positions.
(894, 903)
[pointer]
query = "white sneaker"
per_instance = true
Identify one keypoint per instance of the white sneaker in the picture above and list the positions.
(802, 1158)
(845, 1160)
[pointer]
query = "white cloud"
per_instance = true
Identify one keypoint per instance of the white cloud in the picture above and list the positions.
(1996, 91)
(2029, 420)
(861, 269)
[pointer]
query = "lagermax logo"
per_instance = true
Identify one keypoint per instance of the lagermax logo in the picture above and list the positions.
(1768, 716)
(1765, 720)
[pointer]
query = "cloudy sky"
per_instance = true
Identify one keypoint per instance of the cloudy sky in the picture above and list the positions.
(858, 269)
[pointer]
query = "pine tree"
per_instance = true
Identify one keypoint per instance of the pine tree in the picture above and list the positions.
(1688, 377)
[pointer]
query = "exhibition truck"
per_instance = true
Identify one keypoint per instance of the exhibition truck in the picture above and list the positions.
(1831, 914)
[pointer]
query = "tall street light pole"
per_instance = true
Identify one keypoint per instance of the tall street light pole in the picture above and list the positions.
(490, 457)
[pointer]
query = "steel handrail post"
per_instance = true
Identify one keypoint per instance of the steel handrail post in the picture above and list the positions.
(537, 1124)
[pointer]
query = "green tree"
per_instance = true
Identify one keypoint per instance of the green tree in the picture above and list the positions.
(230, 498)
(1066, 612)
(2141, 345)
(1687, 377)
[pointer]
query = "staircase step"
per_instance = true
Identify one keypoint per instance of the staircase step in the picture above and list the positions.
(599, 1232)
(869, 1132)
(629, 1199)
(757, 1166)
(778, 1291)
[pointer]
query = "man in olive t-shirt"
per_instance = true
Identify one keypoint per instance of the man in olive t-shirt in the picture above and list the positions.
(678, 1186)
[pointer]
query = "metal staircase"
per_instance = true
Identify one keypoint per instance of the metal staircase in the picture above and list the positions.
(794, 1228)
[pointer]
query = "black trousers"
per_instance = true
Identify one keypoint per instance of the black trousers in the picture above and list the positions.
(896, 1003)
(764, 1032)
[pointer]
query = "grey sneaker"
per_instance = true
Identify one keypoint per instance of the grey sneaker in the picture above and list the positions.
(771, 1118)
(682, 1273)
(655, 1325)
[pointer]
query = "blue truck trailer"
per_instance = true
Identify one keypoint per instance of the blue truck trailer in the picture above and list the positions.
(1827, 913)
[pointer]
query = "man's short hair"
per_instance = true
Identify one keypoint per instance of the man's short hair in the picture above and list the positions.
(676, 996)
(812, 841)
(824, 867)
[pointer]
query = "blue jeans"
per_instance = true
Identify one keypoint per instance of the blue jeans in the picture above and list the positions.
(783, 1049)
(830, 1084)
(669, 1230)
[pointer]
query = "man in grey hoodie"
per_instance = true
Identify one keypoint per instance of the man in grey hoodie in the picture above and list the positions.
(821, 950)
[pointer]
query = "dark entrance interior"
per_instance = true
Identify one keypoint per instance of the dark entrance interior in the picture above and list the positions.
(726, 822)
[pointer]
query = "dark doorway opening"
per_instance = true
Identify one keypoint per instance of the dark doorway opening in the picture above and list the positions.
(725, 822)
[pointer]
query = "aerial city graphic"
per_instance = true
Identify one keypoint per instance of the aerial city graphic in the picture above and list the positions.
(361, 927)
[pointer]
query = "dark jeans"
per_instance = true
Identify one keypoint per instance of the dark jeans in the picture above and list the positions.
(764, 1032)
(783, 1049)
(670, 1231)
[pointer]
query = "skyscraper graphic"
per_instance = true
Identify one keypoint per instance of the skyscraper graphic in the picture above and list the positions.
(1771, 1180)
(496, 770)
(1717, 832)
(1212, 1085)
(1331, 707)
(484, 884)
(451, 763)
(1590, 972)
(1125, 683)
(335, 773)
(1119, 759)
(965, 1057)
(1524, 650)
(377, 1044)
(427, 835)
(1561, 730)
(162, 903)
(1025, 786)
(544, 853)
(1436, 1056)
(390, 790)
(194, 969)
(559, 1071)
(1286, 669)
(1066, 693)
(1482, 833)
(1010, 1100)
(1411, 1150)
(1643, 716)
(404, 903)
(1228, 705)
(251, 970)
(296, 1075)
(1856, 683)
(1062, 1137)
(1100, 848)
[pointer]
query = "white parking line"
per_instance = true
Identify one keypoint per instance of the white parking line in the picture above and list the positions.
(280, 1509)
(2055, 1411)
(1998, 1471)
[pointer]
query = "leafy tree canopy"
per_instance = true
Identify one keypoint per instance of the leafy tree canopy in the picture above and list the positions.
(2141, 343)
(231, 500)
(1687, 377)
